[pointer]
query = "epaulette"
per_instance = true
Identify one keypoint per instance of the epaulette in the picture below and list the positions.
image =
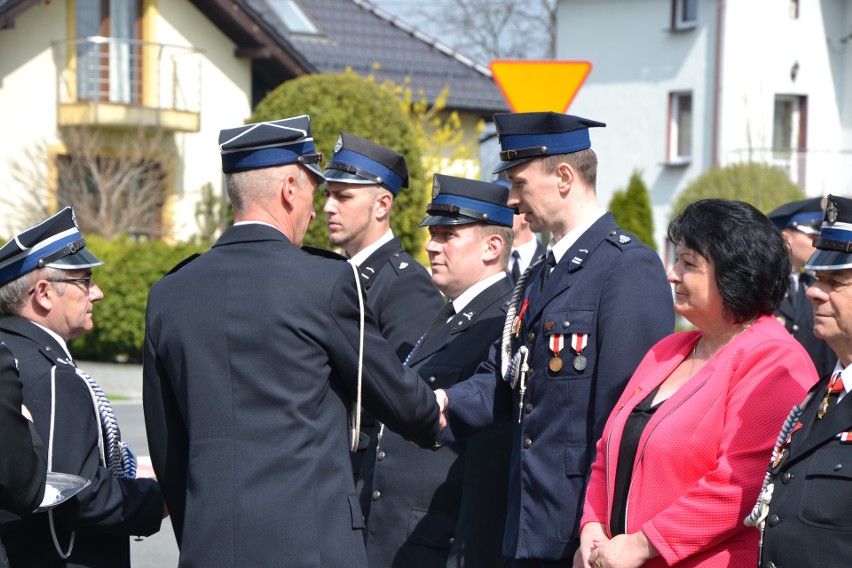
(401, 262)
(620, 238)
(325, 253)
(183, 263)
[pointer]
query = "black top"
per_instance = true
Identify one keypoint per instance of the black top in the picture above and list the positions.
(633, 429)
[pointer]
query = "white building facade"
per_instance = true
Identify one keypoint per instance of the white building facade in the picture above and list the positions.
(685, 85)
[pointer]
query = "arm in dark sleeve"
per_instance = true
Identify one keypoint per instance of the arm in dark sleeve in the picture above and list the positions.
(168, 441)
(22, 458)
(109, 503)
(407, 307)
(394, 394)
(480, 401)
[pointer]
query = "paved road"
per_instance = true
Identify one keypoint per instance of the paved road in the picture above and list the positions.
(123, 386)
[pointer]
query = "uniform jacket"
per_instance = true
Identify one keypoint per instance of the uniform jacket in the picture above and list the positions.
(809, 522)
(401, 295)
(613, 289)
(796, 313)
(403, 300)
(104, 514)
(22, 460)
(701, 457)
(423, 507)
(250, 369)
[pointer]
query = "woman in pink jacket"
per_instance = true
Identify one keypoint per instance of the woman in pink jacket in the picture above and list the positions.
(682, 456)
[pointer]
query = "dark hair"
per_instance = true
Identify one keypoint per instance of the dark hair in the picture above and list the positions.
(749, 254)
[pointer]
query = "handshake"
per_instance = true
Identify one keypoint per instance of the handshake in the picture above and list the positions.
(443, 402)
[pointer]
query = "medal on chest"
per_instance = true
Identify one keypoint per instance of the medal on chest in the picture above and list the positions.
(782, 450)
(556, 342)
(578, 343)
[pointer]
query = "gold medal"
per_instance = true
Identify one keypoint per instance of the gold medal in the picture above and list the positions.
(555, 364)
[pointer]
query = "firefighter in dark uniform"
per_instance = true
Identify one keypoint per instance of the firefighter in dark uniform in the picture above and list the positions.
(446, 508)
(255, 357)
(581, 323)
(47, 296)
(799, 224)
(804, 510)
(362, 181)
(22, 459)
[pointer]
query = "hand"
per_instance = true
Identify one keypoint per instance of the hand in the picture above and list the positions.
(623, 551)
(591, 536)
(26, 412)
(443, 401)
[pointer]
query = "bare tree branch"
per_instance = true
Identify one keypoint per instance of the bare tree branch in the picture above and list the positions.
(493, 29)
(113, 180)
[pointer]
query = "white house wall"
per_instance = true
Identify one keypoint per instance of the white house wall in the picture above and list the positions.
(28, 101)
(636, 63)
(768, 53)
(225, 103)
(27, 95)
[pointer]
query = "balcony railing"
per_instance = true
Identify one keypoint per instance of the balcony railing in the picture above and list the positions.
(124, 82)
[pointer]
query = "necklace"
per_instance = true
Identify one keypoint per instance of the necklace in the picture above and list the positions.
(695, 347)
(692, 365)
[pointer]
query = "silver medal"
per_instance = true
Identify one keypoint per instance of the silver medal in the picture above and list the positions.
(580, 362)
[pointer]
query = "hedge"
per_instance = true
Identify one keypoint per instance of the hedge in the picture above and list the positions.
(130, 269)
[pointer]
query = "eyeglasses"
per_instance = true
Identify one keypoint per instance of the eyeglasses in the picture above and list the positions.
(87, 280)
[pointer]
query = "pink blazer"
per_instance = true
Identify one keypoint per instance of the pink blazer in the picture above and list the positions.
(701, 459)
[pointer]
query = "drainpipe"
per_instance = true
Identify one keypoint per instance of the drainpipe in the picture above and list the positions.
(717, 79)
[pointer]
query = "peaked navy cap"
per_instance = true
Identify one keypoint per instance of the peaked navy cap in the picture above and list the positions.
(273, 143)
(54, 243)
(458, 201)
(805, 215)
(525, 136)
(357, 160)
(834, 243)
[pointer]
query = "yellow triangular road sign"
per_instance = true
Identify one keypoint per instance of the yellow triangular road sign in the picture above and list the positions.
(531, 86)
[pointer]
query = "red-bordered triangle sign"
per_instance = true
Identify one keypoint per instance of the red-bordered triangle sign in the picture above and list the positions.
(532, 86)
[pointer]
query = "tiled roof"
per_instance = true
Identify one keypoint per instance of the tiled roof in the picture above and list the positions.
(358, 35)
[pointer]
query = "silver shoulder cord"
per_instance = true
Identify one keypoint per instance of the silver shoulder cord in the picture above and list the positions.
(758, 515)
(514, 368)
(63, 555)
(355, 423)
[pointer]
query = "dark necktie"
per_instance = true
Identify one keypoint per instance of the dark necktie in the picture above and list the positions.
(832, 393)
(516, 265)
(446, 313)
(440, 320)
(549, 264)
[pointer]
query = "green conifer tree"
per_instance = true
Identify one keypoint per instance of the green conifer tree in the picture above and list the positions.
(631, 209)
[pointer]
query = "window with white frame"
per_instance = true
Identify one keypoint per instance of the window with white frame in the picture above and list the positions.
(684, 14)
(794, 9)
(293, 17)
(789, 132)
(680, 128)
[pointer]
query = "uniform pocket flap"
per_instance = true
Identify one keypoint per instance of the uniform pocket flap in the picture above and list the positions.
(830, 464)
(430, 529)
(576, 459)
(570, 321)
(440, 376)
